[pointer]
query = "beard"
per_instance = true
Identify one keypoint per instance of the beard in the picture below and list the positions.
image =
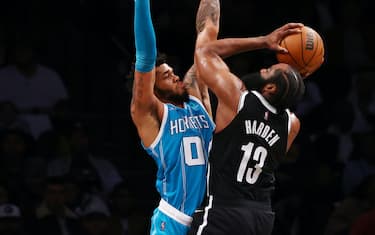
(172, 97)
(179, 99)
(253, 81)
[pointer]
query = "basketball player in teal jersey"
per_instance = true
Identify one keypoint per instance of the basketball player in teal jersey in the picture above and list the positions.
(173, 120)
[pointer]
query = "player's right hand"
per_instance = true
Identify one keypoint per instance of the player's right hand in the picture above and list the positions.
(274, 38)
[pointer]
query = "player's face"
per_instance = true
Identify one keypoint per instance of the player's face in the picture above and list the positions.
(269, 72)
(168, 85)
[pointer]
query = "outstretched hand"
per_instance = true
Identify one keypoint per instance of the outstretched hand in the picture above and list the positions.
(274, 38)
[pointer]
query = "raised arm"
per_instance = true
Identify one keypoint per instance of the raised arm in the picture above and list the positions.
(215, 73)
(196, 87)
(146, 109)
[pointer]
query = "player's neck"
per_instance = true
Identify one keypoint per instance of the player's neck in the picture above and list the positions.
(175, 103)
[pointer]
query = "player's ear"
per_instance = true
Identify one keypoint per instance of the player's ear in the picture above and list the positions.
(270, 88)
(305, 75)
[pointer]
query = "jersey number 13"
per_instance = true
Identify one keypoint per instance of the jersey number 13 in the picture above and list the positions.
(259, 155)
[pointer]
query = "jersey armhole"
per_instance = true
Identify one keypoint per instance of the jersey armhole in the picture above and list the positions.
(289, 120)
(241, 102)
(161, 129)
(201, 104)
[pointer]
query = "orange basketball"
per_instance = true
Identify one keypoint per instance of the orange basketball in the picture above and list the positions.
(306, 51)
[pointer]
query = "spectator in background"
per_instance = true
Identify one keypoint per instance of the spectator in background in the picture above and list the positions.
(10, 118)
(52, 214)
(92, 173)
(361, 164)
(81, 201)
(11, 220)
(95, 223)
(63, 115)
(129, 213)
(319, 172)
(121, 204)
(33, 88)
(20, 169)
(51, 145)
(347, 210)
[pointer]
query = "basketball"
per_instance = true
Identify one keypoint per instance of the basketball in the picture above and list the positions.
(306, 51)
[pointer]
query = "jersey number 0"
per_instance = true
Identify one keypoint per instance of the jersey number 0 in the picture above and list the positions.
(193, 151)
(252, 173)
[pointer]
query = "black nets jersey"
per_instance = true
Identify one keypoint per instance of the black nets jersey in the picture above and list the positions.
(246, 153)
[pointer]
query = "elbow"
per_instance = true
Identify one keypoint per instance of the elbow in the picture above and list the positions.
(133, 108)
(202, 54)
(137, 110)
(200, 51)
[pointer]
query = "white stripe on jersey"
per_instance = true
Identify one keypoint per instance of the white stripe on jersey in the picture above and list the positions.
(205, 216)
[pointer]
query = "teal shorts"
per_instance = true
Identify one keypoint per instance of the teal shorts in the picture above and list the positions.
(161, 224)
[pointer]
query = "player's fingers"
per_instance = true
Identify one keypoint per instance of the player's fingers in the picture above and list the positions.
(281, 50)
(291, 31)
(293, 25)
(278, 48)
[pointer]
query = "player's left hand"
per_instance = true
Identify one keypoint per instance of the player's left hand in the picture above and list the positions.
(274, 38)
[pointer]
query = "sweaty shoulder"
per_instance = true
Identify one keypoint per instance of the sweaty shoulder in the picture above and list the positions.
(294, 126)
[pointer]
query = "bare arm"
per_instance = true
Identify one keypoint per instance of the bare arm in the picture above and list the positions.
(294, 130)
(216, 74)
(196, 87)
(146, 109)
(231, 46)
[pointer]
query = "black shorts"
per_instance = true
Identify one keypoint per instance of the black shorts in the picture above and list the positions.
(233, 217)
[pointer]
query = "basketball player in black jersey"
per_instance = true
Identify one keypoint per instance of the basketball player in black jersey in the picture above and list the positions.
(254, 130)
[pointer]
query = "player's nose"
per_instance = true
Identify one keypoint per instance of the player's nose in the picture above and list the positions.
(176, 78)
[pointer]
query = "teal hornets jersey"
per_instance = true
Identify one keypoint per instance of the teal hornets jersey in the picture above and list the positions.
(181, 154)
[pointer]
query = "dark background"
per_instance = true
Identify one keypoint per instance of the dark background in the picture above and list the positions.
(90, 44)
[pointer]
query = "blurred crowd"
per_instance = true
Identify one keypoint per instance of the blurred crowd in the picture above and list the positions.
(71, 161)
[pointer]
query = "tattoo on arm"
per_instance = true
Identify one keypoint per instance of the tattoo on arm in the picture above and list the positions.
(139, 87)
(190, 77)
(207, 8)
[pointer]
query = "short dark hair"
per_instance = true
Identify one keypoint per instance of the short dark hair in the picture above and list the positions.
(290, 88)
(161, 59)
